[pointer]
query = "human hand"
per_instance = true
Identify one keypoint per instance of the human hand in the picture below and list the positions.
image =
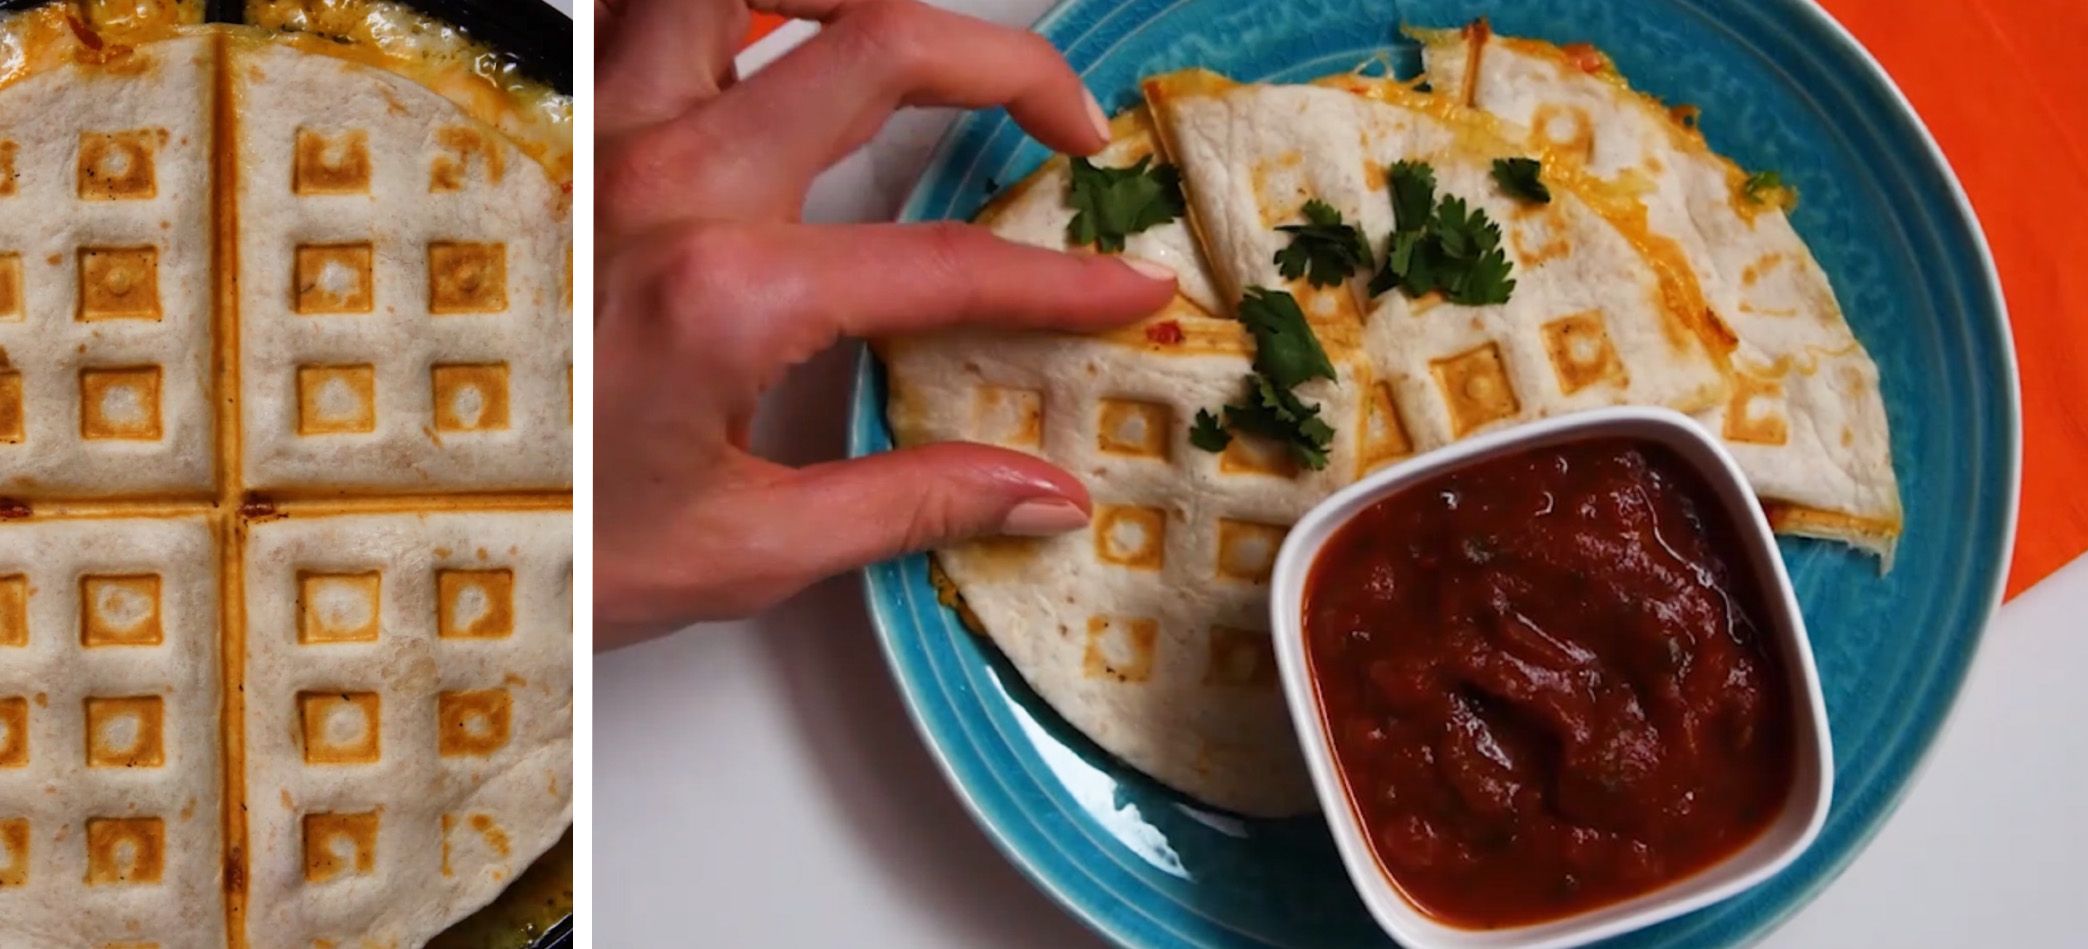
(709, 289)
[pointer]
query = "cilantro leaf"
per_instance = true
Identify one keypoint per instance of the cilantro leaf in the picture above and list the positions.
(1285, 349)
(1767, 187)
(1279, 415)
(1455, 251)
(1207, 434)
(1518, 177)
(1110, 204)
(1413, 195)
(1324, 250)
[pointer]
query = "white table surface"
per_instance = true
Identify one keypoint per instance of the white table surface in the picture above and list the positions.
(758, 783)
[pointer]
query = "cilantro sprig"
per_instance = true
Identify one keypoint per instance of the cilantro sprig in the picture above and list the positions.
(1207, 433)
(1518, 177)
(1110, 204)
(1325, 250)
(1285, 349)
(1279, 415)
(1767, 187)
(1286, 355)
(1454, 248)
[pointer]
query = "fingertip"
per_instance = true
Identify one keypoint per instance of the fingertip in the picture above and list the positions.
(1096, 118)
(1151, 270)
(1043, 517)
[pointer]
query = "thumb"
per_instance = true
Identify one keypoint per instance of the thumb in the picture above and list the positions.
(851, 513)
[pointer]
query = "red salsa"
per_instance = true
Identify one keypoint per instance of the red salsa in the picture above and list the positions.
(1547, 683)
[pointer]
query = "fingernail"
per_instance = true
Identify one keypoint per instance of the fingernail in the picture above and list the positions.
(1044, 517)
(1095, 115)
(1150, 269)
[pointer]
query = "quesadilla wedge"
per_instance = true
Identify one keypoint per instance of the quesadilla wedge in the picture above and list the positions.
(1601, 313)
(1148, 632)
(1805, 417)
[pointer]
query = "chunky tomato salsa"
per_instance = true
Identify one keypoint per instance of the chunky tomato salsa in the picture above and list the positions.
(1547, 683)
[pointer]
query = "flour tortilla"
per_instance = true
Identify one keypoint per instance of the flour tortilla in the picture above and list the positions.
(159, 98)
(503, 200)
(45, 667)
(452, 830)
(1806, 418)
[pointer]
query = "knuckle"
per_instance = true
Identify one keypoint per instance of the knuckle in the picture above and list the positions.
(934, 519)
(704, 261)
(949, 252)
(887, 32)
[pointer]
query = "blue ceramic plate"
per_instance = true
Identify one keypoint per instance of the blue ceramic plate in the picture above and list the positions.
(1781, 87)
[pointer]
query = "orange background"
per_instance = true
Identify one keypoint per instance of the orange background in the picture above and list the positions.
(2004, 88)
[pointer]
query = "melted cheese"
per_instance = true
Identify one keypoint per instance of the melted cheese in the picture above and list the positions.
(487, 84)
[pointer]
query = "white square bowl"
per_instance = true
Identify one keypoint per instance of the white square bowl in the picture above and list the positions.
(1805, 807)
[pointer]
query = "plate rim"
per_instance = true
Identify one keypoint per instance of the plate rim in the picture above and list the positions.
(865, 385)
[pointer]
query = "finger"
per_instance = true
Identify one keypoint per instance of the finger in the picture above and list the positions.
(779, 128)
(657, 58)
(844, 515)
(792, 289)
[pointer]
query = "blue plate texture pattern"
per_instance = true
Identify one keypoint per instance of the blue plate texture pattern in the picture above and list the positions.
(1781, 87)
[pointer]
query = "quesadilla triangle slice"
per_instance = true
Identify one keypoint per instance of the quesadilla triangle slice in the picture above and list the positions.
(1148, 631)
(1601, 311)
(1035, 211)
(1805, 416)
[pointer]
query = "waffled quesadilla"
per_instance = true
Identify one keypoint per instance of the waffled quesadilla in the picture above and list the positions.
(1453, 269)
(1805, 416)
(285, 550)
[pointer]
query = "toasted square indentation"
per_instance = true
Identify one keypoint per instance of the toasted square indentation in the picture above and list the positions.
(120, 611)
(119, 283)
(473, 723)
(1565, 128)
(340, 727)
(125, 850)
(1475, 386)
(474, 604)
(118, 166)
(1008, 416)
(14, 732)
(120, 404)
(331, 162)
(1755, 413)
(1247, 550)
(14, 851)
(1384, 432)
(1120, 647)
(337, 845)
(336, 400)
(11, 306)
(8, 174)
(1240, 657)
(1130, 427)
(1581, 352)
(1133, 537)
(337, 607)
(466, 277)
(14, 610)
(125, 732)
(491, 838)
(13, 422)
(463, 149)
(1253, 454)
(335, 278)
(471, 398)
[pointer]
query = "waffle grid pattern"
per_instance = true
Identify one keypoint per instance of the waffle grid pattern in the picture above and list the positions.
(248, 703)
